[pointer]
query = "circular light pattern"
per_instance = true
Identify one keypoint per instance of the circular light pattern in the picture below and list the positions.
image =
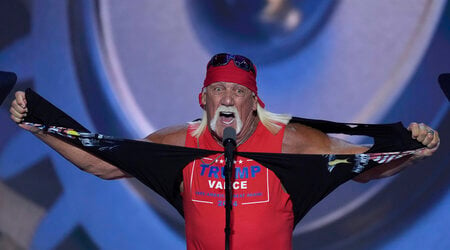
(266, 31)
(312, 82)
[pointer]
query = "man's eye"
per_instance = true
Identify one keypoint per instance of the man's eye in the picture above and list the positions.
(240, 92)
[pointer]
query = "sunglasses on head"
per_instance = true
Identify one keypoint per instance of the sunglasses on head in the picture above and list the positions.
(241, 62)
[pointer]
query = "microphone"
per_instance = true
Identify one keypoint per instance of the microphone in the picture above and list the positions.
(444, 81)
(229, 143)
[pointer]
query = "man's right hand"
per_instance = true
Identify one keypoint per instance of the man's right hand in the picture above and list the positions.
(82, 159)
(19, 111)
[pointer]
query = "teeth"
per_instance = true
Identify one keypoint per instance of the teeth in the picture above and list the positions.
(229, 122)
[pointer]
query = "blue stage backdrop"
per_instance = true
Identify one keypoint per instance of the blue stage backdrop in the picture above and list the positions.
(127, 68)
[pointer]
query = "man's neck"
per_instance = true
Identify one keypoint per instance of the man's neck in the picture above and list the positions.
(243, 136)
(246, 134)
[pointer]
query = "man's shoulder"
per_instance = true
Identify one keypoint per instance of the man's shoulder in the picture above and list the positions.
(302, 139)
(173, 135)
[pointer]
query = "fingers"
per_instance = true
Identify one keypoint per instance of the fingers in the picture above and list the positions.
(418, 131)
(428, 137)
(434, 143)
(424, 134)
(21, 100)
(15, 115)
(18, 109)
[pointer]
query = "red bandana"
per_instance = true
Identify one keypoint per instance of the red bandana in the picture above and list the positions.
(231, 73)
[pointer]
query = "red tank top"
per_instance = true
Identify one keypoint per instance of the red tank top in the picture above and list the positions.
(261, 217)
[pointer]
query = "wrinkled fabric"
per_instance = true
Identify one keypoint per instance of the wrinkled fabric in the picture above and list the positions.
(307, 178)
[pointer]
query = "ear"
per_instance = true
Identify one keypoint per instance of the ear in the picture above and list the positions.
(255, 102)
(203, 99)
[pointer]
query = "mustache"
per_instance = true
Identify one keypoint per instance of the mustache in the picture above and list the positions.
(226, 109)
(223, 108)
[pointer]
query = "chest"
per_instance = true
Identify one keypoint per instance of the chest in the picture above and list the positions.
(252, 183)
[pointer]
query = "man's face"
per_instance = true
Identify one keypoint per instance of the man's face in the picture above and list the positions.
(229, 105)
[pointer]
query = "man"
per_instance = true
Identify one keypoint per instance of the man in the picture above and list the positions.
(262, 216)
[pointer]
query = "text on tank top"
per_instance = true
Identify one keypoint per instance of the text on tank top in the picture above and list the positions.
(262, 215)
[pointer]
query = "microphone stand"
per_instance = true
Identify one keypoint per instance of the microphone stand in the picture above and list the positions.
(229, 143)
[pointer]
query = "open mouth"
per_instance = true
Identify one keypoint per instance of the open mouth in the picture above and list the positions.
(226, 117)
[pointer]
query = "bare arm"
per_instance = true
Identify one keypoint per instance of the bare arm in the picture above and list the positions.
(175, 135)
(421, 133)
(300, 139)
(82, 159)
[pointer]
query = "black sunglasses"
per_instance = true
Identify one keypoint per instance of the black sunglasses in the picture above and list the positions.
(241, 62)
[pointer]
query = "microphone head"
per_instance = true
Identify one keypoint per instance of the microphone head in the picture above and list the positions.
(229, 134)
(444, 81)
(7, 81)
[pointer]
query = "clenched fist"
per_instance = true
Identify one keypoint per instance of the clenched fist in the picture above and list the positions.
(19, 111)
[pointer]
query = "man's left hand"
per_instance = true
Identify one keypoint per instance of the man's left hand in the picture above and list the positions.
(427, 136)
